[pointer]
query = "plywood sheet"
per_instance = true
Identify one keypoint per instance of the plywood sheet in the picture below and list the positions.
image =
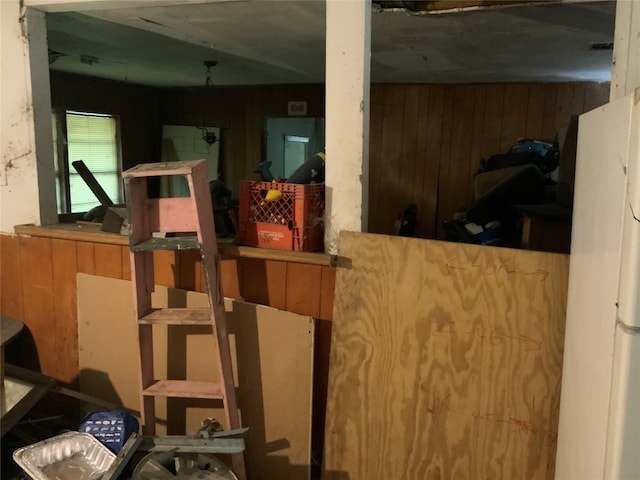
(273, 368)
(445, 361)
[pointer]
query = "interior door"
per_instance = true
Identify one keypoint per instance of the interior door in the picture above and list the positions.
(292, 141)
(180, 142)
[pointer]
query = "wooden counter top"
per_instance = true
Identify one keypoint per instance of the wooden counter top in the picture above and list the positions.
(90, 232)
(80, 231)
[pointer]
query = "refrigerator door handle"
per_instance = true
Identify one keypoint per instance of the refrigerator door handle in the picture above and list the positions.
(628, 329)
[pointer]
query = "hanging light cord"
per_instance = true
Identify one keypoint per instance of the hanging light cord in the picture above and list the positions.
(208, 137)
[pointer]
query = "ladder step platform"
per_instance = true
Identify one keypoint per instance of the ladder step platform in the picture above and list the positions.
(184, 389)
(159, 169)
(169, 243)
(177, 316)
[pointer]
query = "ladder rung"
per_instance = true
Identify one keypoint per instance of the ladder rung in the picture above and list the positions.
(185, 444)
(169, 243)
(178, 316)
(184, 389)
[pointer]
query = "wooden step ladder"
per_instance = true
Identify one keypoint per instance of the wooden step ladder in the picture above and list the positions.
(192, 215)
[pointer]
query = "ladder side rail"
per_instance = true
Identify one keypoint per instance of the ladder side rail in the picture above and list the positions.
(142, 275)
(142, 272)
(200, 193)
(158, 169)
(211, 264)
(145, 372)
(137, 196)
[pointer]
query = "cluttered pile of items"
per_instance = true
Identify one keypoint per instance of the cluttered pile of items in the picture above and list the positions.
(284, 214)
(107, 446)
(533, 178)
(105, 443)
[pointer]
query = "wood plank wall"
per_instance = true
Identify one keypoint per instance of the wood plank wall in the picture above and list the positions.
(426, 141)
(240, 112)
(38, 287)
(135, 105)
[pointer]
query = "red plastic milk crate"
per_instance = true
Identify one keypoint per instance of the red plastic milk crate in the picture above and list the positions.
(292, 222)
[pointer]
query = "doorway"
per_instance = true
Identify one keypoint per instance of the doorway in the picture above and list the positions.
(180, 142)
(292, 141)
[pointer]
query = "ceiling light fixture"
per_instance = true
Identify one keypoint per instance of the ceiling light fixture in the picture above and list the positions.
(209, 137)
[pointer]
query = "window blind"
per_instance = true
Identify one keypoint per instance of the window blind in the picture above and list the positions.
(92, 138)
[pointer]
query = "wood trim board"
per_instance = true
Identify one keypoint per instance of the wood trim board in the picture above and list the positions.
(273, 365)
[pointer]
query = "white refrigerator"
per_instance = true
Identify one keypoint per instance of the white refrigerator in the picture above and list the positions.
(599, 425)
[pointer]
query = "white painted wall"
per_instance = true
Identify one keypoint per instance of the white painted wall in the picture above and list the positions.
(348, 59)
(21, 181)
(18, 175)
(180, 143)
(625, 74)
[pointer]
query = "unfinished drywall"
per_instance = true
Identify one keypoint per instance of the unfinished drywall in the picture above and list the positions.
(273, 364)
(446, 361)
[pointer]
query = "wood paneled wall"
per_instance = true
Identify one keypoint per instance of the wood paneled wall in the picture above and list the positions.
(38, 287)
(135, 105)
(426, 141)
(240, 112)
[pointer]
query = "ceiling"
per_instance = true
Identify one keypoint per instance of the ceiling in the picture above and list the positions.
(258, 42)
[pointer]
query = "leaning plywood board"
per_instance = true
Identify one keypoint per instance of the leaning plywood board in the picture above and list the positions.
(446, 361)
(273, 368)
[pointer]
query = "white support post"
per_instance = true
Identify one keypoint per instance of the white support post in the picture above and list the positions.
(625, 74)
(348, 51)
(41, 96)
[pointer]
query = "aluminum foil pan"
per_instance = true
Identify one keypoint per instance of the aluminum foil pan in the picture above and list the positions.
(69, 456)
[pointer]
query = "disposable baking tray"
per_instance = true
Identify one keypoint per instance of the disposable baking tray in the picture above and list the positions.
(68, 456)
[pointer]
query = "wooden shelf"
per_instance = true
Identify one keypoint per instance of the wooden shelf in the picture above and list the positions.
(310, 258)
(169, 243)
(184, 389)
(80, 231)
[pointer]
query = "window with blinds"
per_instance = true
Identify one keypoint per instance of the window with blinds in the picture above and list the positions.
(94, 139)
